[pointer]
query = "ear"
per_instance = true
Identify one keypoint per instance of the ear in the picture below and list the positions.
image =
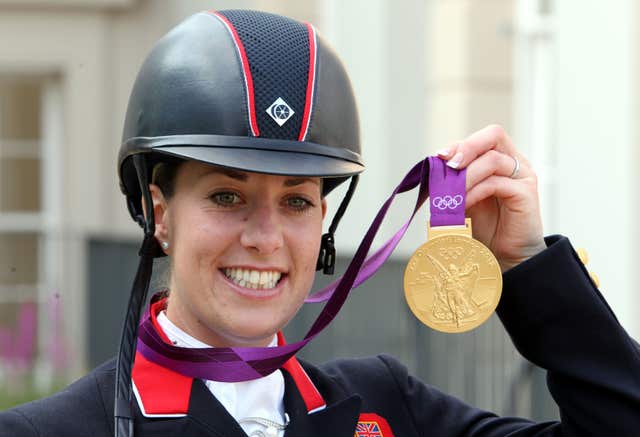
(324, 207)
(160, 208)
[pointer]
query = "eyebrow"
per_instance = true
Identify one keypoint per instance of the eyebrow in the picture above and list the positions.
(243, 177)
(299, 181)
(237, 175)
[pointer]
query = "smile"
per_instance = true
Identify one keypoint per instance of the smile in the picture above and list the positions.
(259, 280)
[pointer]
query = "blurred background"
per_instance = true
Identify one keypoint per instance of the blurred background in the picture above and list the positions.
(560, 76)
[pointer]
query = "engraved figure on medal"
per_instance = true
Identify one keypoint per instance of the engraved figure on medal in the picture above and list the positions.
(453, 283)
(453, 300)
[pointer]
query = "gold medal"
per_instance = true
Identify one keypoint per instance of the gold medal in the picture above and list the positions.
(452, 283)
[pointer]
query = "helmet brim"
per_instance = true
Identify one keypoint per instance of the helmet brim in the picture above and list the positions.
(269, 162)
(259, 155)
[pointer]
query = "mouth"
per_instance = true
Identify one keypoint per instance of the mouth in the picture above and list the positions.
(254, 279)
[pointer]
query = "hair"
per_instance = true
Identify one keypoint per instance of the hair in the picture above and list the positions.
(164, 174)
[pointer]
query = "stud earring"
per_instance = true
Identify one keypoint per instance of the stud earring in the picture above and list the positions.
(165, 245)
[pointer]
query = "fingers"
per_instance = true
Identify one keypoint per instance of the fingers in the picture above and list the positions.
(492, 137)
(494, 163)
(517, 196)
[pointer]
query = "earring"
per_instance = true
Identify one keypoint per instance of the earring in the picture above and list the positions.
(165, 245)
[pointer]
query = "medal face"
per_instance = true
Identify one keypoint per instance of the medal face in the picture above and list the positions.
(452, 283)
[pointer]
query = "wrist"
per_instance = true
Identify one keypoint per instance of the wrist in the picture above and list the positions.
(525, 254)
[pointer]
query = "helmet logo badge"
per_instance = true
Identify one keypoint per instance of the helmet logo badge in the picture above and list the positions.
(280, 111)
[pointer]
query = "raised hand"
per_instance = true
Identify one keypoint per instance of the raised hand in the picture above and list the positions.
(502, 194)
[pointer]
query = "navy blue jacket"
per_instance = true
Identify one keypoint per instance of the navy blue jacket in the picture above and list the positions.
(551, 309)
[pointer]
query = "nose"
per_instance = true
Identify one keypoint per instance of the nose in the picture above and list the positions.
(263, 230)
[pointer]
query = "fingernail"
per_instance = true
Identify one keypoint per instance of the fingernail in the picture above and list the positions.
(444, 152)
(455, 161)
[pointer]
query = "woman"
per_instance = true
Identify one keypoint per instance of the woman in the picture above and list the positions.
(239, 124)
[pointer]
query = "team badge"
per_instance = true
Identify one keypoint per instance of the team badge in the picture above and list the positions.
(372, 425)
(280, 111)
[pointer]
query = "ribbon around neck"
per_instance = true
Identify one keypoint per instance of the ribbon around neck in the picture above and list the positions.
(234, 364)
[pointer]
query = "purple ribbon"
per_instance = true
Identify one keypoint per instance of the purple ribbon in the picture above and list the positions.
(447, 191)
(445, 184)
(242, 364)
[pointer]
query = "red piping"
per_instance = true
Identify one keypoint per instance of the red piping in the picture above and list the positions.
(253, 122)
(310, 83)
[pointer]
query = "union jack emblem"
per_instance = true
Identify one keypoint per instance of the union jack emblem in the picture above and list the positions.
(368, 429)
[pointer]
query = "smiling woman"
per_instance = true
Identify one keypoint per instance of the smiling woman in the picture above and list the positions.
(243, 250)
(238, 126)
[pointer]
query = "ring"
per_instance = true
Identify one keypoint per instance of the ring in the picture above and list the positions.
(516, 168)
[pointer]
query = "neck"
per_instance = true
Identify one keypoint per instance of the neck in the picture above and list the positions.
(210, 338)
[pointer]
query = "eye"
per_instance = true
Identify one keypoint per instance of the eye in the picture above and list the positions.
(298, 203)
(225, 198)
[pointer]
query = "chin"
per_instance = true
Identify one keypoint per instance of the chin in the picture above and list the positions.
(251, 339)
(252, 333)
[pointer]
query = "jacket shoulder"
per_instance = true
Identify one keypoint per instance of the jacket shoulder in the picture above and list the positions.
(408, 404)
(382, 377)
(83, 408)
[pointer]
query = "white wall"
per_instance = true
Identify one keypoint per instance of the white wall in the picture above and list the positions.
(596, 190)
(382, 45)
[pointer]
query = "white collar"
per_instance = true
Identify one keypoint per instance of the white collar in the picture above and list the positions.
(261, 397)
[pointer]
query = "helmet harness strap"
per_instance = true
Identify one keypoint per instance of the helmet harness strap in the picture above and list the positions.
(327, 256)
(123, 408)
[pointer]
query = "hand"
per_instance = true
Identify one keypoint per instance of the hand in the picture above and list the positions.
(504, 210)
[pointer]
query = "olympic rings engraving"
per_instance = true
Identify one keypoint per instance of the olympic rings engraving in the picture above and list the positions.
(447, 202)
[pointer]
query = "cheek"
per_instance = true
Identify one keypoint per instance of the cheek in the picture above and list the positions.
(306, 245)
(197, 240)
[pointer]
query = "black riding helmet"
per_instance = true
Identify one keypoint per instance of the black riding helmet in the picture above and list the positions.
(240, 89)
(245, 90)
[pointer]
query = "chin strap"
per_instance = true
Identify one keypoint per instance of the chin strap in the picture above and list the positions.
(123, 413)
(327, 256)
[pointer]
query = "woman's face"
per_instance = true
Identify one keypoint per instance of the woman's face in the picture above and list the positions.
(243, 249)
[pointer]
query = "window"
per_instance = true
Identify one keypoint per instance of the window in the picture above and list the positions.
(29, 325)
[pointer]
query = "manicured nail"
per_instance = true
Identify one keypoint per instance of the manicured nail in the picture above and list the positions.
(455, 161)
(443, 152)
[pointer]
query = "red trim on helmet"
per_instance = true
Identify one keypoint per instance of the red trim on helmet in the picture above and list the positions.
(311, 80)
(248, 79)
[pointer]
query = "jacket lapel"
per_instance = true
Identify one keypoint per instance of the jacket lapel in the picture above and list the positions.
(338, 419)
(207, 411)
(206, 417)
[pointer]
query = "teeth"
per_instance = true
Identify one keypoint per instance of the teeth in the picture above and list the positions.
(253, 278)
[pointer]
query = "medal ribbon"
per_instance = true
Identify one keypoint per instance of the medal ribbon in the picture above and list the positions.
(446, 187)
(447, 192)
(242, 363)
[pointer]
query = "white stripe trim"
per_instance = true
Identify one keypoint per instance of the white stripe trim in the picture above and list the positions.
(320, 408)
(313, 81)
(244, 73)
(151, 416)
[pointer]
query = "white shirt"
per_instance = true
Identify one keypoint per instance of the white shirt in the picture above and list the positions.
(261, 397)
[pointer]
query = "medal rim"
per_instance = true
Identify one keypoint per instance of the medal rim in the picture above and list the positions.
(473, 325)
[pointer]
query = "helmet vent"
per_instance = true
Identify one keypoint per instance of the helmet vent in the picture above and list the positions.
(277, 49)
